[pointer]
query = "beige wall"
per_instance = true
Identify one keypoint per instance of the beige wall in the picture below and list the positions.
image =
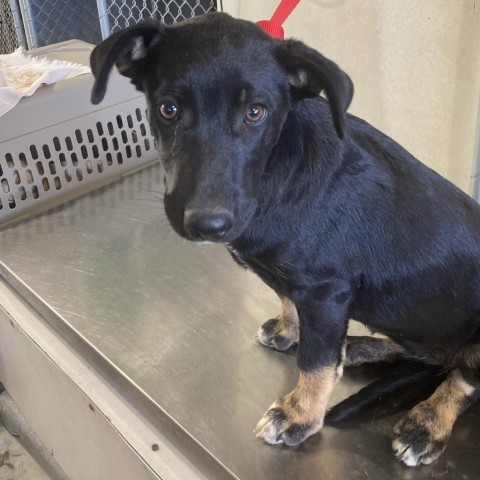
(415, 65)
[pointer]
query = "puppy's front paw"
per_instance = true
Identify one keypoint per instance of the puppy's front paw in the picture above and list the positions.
(283, 423)
(278, 334)
(421, 437)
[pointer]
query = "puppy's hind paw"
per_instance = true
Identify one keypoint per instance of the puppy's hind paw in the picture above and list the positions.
(412, 456)
(419, 439)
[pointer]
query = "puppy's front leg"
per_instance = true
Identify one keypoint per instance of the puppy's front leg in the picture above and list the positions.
(323, 322)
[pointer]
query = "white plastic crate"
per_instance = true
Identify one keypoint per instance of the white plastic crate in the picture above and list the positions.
(56, 145)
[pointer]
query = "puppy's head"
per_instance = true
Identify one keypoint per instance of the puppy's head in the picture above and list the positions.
(218, 92)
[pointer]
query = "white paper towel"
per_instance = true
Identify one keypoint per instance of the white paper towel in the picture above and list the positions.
(22, 74)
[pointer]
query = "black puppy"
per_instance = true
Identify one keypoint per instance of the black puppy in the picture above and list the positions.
(333, 215)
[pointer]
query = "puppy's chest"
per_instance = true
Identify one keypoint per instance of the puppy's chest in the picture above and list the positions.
(238, 256)
(275, 270)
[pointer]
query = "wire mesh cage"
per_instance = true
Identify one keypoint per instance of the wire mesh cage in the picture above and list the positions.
(117, 14)
(36, 23)
(12, 34)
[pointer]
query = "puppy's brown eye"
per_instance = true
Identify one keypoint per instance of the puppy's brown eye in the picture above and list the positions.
(255, 113)
(169, 111)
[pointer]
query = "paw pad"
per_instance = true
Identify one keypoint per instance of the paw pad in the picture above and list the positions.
(278, 426)
(273, 334)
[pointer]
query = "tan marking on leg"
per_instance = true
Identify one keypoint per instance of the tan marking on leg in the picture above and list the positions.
(422, 435)
(289, 319)
(300, 414)
(364, 349)
(469, 356)
(308, 400)
(449, 402)
(283, 331)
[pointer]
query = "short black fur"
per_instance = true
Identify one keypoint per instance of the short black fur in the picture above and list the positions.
(331, 213)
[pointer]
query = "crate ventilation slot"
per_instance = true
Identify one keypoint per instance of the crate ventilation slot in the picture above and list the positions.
(39, 170)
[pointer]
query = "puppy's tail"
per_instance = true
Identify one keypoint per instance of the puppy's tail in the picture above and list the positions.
(397, 380)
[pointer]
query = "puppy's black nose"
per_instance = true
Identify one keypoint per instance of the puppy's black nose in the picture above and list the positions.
(208, 224)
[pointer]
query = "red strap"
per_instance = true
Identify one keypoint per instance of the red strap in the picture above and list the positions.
(274, 26)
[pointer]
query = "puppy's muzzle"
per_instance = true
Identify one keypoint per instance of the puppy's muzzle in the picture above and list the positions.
(210, 225)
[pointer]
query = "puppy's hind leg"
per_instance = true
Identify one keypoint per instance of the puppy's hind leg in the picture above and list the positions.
(364, 349)
(281, 332)
(422, 435)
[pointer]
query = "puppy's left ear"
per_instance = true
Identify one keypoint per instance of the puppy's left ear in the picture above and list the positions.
(310, 73)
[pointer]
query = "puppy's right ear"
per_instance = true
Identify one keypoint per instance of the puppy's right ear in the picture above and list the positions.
(128, 50)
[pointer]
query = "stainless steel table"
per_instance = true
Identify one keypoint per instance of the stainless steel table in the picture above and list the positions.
(171, 325)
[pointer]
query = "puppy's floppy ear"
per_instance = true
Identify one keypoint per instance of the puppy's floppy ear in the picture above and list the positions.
(127, 49)
(310, 73)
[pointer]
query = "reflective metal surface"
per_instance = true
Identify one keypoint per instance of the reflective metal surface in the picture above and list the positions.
(172, 324)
